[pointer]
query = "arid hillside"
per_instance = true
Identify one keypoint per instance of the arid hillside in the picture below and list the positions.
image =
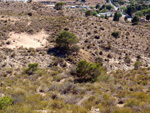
(37, 76)
(21, 24)
(89, 2)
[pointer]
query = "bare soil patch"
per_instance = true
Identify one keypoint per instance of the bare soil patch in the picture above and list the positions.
(26, 40)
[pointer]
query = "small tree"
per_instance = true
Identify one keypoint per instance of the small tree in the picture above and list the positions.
(97, 6)
(94, 13)
(117, 16)
(135, 20)
(106, 17)
(83, 1)
(148, 17)
(31, 69)
(125, 18)
(88, 13)
(107, 1)
(102, 16)
(66, 40)
(116, 34)
(29, 1)
(5, 102)
(137, 65)
(59, 5)
(88, 71)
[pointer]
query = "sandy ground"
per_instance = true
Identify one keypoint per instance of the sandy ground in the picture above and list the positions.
(26, 40)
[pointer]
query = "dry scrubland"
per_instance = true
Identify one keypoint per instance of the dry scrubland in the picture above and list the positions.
(51, 86)
(89, 2)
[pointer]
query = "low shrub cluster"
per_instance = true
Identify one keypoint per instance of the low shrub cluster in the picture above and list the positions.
(67, 41)
(31, 69)
(86, 71)
(116, 34)
(5, 102)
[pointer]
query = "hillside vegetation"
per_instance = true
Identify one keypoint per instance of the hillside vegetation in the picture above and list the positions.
(64, 61)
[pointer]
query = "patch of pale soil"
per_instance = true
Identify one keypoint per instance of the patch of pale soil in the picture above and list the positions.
(85, 55)
(42, 94)
(29, 23)
(93, 110)
(26, 40)
(62, 81)
(120, 105)
(43, 111)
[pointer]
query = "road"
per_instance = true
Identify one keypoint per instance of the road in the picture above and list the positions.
(116, 8)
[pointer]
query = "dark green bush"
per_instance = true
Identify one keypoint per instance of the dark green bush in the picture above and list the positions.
(135, 20)
(88, 13)
(117, 16)
(66, 41)
(59, 5)
(106, 7)
(31, 69)
(94, 13)
(102, 16)
(148, 17)
(137, 65)
(116, 34)
(86, 71)
(97, 6)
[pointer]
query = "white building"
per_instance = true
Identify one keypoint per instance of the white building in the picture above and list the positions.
(106, 13)
(73, 7)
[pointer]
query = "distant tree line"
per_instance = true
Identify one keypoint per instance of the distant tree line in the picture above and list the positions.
(81, 0)
(141, 9)
(104, 8)
(116, 2)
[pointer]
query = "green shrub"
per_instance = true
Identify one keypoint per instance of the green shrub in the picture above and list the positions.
(132, 102)
(106, 17)
(31, 69)
(97, 6)
(83, 1)
(88, 13)
(122, 110)
(148, 17)
(57, 104)
(135, 20)
(137, 65)
(106, 7)
(88, 71)
(117, 16)
(94, 13)
(59, 5)
(89, 103)
(116, 34)
(5, 102)
(79, 109)
(102, 16)
(66, 41)
(125, 18)
(139, 13)
(140, 96)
